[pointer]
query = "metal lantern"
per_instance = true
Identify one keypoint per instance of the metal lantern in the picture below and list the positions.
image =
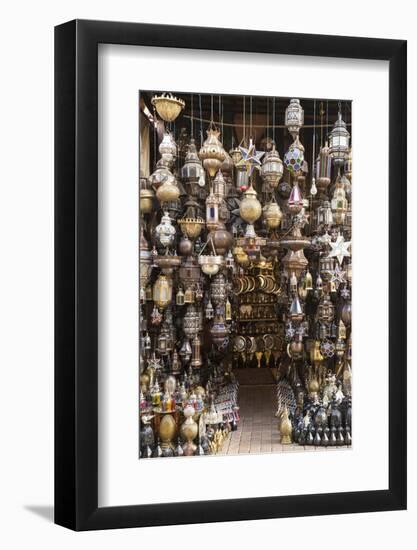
(294, 157)
(165, 231)
(296, 313)
(162, 291)
(146, 200)
(339, 203)
(250, 208)
(348, 165)
(324, 214)
(272, 214)
(219, 186)
(168, 191)
(339, 141)
(294, 117)
(210, 264)
(209, 311)
(323, 168)
(180, 298)
(145, 260)
(192, 173)
(191, 322)
(161, 173)
(218, 290)
(212, 153)
(168, 146)
(272, 168)
(212, 211)
(196, 352)
(167, 106)
(325, 310)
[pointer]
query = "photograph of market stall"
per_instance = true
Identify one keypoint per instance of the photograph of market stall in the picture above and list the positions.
(245, 271)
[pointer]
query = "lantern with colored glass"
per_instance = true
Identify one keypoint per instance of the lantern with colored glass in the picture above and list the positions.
(212, 211)
(339, 142)
(294, 157)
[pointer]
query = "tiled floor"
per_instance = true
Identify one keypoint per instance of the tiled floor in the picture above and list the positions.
(258, 427)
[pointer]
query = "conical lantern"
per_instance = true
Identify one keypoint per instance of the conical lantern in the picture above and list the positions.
(295, 200)
(250, 208)
(212, 153)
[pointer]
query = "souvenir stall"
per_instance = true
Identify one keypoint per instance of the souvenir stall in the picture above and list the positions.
(244, 260)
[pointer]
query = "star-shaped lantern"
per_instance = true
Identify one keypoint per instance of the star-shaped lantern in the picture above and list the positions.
(337, 276)
(339, 249)
(250, 157)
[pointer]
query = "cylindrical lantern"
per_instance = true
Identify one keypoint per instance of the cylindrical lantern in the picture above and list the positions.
(162, 291)
(294, 117)
(339, 141)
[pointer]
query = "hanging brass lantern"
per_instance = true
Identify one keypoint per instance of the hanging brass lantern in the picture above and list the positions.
(339, 203)
(250, 208)
(294, 117)
(161, 173)
(162, 291)
(272, 168)
(272, 214)
(210, 264)
(212, 153)
(348, 165)
(325, 310)
(167, 106)
(323, 168)
(146, 200)
(212, 211)
(221, 239)
(168, 191)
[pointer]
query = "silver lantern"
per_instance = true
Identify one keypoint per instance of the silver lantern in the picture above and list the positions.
(339, 142)
(294, 117)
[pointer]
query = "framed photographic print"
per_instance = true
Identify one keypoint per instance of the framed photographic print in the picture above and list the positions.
(230, 275)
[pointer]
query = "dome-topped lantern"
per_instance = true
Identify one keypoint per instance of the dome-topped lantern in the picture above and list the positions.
(294, 117)
(272, 168)
(339, 142)
(192, 173)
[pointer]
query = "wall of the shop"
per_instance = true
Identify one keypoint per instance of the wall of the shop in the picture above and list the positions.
(26, 300)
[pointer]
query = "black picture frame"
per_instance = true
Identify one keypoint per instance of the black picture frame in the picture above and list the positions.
(76, 270)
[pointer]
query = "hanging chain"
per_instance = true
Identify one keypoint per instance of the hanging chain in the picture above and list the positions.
(201, 121)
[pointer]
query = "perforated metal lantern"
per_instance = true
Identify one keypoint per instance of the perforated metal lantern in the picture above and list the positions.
(323, 168)
(272, 168)
(294, 117)
(339, 141)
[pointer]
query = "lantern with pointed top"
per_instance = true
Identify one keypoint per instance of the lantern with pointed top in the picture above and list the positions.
(339, 141)
(294, 117)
